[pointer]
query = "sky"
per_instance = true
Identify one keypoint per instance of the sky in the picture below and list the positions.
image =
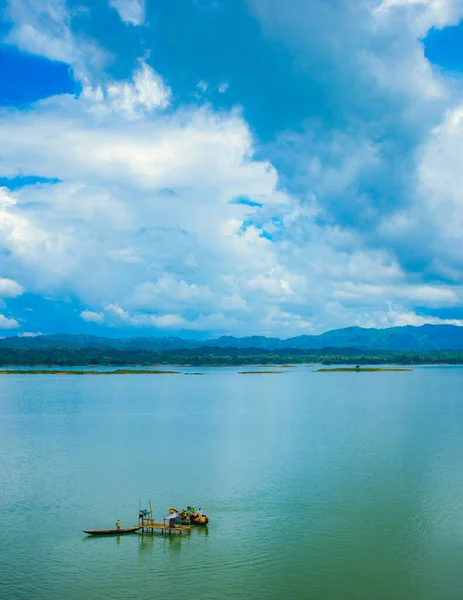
(242, 167)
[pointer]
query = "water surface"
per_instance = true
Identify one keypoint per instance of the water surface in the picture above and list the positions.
(318, 485)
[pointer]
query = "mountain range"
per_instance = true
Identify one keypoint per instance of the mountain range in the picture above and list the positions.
(408, 338)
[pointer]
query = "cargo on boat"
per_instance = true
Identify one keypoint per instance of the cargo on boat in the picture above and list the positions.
(190, 516)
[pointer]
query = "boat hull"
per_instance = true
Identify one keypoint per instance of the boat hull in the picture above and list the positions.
(198, 521)
(111, 531)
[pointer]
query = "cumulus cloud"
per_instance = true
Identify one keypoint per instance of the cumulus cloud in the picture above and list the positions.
(424, 294)
(422, 14)
(43, 27)
(10, 288)
(7, 323)
(29, 334)
(187, 227)
(396, 318)
(91, 317)
(130, 99)
(131, 12)
(387, 170)
(213, 322)
(131, 201)
(439, 209)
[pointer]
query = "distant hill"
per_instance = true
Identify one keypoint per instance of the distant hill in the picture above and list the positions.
(405, 339)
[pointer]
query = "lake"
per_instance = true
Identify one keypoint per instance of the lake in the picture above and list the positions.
(318, 486)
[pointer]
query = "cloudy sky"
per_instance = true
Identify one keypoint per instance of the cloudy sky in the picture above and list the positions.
(200, 167)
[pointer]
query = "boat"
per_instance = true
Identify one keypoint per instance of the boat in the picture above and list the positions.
(111, 531)
(190, 516)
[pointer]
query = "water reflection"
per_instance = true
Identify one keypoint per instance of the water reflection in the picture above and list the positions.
(371, 468)
(116, 538)
(175, 544)
(146, 543)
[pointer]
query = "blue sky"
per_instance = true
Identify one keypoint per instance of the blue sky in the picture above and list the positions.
(208, 167)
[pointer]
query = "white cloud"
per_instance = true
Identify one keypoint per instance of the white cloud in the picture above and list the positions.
(29, 334)
(6, 323)
(131, 12)
(395, 318)
(135, 99)
(91, 317)
(10, 288)
(170, 293)
(145, 221)
(43, 27)
(202, 86)
(424, 294)
(223, 87)
(131, 202)
(169, 290)
(215, 322)
(125, 255)
(182, 152)
(440, 183)
(422, 14)
(389, 174)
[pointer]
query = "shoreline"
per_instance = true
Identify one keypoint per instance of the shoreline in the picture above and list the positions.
(161, 369)
(83, 372)
(364, 370)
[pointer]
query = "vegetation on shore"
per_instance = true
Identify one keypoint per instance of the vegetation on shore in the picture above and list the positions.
(258, 372)
(81, 372)
(54, 356)
(360, 370)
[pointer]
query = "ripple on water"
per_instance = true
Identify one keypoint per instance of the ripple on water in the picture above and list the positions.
(314, 489)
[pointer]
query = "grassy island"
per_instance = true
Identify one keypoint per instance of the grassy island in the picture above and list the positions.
(81, 372)
(359, 370)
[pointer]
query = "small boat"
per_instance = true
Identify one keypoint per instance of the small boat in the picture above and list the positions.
(190, 516)
(111, 531)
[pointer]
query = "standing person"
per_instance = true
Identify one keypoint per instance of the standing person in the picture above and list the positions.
(118, 524)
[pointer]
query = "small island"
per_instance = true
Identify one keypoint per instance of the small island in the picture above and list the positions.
(258, 372)
(360, 370)
(82, 372)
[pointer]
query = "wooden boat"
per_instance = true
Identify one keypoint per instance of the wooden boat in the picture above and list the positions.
(111, 531)
(190, 516)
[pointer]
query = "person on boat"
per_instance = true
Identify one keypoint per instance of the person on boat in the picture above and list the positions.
(200, 512)
(118, 524)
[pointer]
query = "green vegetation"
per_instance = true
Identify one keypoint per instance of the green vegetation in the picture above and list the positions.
(258, 372)
(359, 370)
(80, 372)
(63, 356)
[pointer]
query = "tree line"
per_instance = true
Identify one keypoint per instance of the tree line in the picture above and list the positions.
(208, 355)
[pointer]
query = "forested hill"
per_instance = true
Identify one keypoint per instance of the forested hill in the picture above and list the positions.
(417, 339)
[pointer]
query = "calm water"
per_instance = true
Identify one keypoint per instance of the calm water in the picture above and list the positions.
(324, 486)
